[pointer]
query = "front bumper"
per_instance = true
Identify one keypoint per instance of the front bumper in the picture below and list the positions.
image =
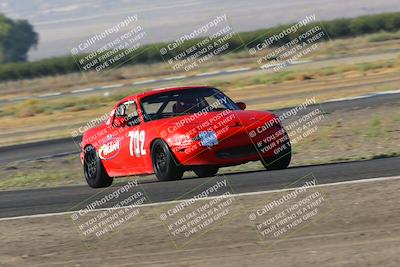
(234, 147)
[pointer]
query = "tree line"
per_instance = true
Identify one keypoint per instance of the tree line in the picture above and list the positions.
(22, 33)
(16, 38)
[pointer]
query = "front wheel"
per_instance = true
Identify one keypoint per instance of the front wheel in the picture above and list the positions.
(95, 174)
(280, 161)
(165, 165)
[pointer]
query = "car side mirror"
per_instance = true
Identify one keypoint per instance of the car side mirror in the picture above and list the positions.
(119, 122)
(241, 105)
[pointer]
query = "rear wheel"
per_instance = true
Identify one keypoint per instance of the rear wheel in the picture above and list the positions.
(165, 165)
(206, 171)
(95, 174)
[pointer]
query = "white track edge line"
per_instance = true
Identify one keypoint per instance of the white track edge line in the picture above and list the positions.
(50, 94)
(144, 82)
(363, 96)
(368, 180)
(82, 90)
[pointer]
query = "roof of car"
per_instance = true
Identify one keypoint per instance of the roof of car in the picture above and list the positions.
(161, 90)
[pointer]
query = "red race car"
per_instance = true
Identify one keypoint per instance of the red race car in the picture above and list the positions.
(169, 131)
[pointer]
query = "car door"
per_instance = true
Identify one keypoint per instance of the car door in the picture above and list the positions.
(131, 138)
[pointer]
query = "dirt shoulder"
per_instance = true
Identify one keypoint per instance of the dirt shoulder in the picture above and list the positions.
(356, 224)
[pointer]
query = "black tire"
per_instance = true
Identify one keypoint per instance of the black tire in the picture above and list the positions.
(95, 174)
(165, 165)
(280, 161)
(206, 171)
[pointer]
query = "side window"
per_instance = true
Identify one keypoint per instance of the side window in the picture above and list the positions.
(150, 110)
(129, 112)
(120, 111)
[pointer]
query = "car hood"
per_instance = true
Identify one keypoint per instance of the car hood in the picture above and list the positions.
(232, 118)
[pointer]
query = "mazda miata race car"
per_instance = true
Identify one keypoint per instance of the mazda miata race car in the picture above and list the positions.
(170, 131)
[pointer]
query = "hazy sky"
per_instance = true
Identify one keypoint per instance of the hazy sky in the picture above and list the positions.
(62, 24)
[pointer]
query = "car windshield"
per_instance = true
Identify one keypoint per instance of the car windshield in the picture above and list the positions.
(183, 102)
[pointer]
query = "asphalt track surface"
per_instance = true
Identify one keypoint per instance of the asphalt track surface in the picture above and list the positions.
(66, 146)
(54, 200)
